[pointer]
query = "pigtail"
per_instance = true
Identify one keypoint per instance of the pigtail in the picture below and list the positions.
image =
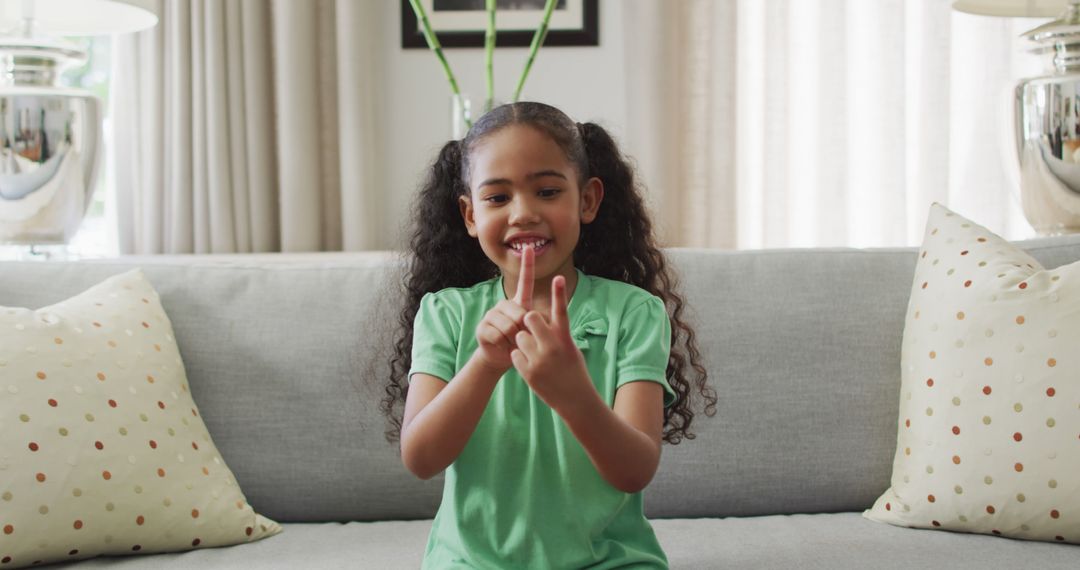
(443, 255)
(619, 244)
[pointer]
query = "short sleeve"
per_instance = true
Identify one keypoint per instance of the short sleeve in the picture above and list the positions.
(644, 346)
(435, 338)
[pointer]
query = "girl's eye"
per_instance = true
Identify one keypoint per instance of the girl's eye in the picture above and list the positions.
(550, 192)
(493, 200)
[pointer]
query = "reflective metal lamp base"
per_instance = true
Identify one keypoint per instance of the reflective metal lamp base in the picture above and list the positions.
(49, 141)
(1048, 129)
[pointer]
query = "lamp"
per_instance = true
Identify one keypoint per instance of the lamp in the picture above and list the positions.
(1046, 113)
(50, 136)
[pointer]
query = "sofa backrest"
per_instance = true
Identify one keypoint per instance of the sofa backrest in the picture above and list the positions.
(286, 361)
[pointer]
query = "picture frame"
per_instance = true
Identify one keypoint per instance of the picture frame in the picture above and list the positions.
(462, 23)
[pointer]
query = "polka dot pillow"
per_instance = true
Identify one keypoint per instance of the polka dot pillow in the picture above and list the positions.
(102, 450)
(989, 427)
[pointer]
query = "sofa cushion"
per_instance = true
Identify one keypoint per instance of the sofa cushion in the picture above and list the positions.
(988, 422)
(102, 450)
(825, 541)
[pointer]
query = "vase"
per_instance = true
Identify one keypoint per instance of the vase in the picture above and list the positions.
(460, 116)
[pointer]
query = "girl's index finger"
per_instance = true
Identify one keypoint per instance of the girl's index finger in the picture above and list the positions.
(523, 296)
(559, 320)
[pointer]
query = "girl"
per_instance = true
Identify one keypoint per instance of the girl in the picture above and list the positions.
(542, 367)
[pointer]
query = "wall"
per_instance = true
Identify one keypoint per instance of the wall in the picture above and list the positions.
(588, 83)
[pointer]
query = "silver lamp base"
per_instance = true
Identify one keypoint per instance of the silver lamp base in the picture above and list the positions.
(49, 143)
(1048, 130)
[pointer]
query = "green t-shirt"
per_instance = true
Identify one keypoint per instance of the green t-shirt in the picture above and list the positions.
(523, 493)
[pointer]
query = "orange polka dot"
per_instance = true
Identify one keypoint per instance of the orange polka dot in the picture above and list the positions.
(907, 423)
(157, 347)
(989, 361)
(1019, 467)
(990, 509)
(981, 240)
(136, 548)
(240, 504)
(78, 524)
(101, 376)
(58, 340)
(956, 459)
(960, 315)
(933, 354)
(8, 529)
(196, 542)
(40, 477)
(106, 475)
(930, 382)
(205, 471)
(160, 472)
(52, 402)
(1020, 320)
(956, 430)
(145, 325)
(1059, 537)
(249, 530)
(1023, 285)
(149, 378)
(931, 498)
(924, 284)
(888, 507)
(33, 446)
(40, 375)
(153, 444)
(194, 513)
(965, 252)
(97, 324)
(1050, 392)
(161, 404)
(967, 283)
(1054, 514)
(139, 520)
(194, 446)
(1051, 363)
(112, 403)
(987, 390)
(1018, 436)
(935, 523)
(99, 445)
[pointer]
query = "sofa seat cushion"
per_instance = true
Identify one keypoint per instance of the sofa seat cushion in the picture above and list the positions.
(826, 541)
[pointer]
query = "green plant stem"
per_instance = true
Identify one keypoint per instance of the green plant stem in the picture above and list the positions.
(489, 55)
(433, 43)
(537, 41)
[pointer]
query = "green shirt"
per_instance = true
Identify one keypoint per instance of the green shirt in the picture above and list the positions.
(523, 493)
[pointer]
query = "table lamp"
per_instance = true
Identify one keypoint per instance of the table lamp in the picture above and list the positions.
(50, 136)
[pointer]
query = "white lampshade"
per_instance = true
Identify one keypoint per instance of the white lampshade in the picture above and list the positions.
(1012, 8)
(79, 17)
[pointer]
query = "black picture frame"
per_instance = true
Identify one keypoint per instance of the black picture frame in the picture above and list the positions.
(588, 35)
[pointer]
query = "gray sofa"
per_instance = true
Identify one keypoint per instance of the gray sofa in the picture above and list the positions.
(802, 346)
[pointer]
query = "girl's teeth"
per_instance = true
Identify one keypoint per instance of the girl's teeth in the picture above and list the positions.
(535, 245)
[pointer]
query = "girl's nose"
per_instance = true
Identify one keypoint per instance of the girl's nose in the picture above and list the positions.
(521, 212)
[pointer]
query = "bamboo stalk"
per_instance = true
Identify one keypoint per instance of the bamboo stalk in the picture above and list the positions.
(489, 55)
(537, 41)
(433, 43)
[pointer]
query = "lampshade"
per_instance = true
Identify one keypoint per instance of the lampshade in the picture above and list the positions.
(1012, 8)
(79, 17)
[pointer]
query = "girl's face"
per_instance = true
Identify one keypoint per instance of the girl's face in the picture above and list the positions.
(522, 189)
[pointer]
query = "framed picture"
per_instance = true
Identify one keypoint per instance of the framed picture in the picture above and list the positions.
(461, 23)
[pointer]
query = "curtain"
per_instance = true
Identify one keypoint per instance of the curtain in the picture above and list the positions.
(232, 120)
(799, 123)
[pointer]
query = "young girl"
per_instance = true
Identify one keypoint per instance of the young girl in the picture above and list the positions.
(543, 369)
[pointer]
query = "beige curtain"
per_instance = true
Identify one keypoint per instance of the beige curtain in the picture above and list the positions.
(248, 126)
(798, 123)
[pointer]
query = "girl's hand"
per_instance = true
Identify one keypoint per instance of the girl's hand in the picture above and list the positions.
(546, 356)
(495, 333)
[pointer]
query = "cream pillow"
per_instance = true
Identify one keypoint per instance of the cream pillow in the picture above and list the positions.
(102, 450)
(989, 428)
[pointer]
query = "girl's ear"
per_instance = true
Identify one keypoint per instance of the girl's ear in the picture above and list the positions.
(591, 196)
(465, 204)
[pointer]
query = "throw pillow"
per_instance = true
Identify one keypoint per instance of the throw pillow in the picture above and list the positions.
(989, 426)
(102, 449)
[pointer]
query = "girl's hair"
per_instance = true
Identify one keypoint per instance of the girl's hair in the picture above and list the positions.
(617, 245)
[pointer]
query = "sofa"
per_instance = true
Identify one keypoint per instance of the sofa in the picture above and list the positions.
(286, 355)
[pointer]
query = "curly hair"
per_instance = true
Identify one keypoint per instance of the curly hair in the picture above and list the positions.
(617, 245)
